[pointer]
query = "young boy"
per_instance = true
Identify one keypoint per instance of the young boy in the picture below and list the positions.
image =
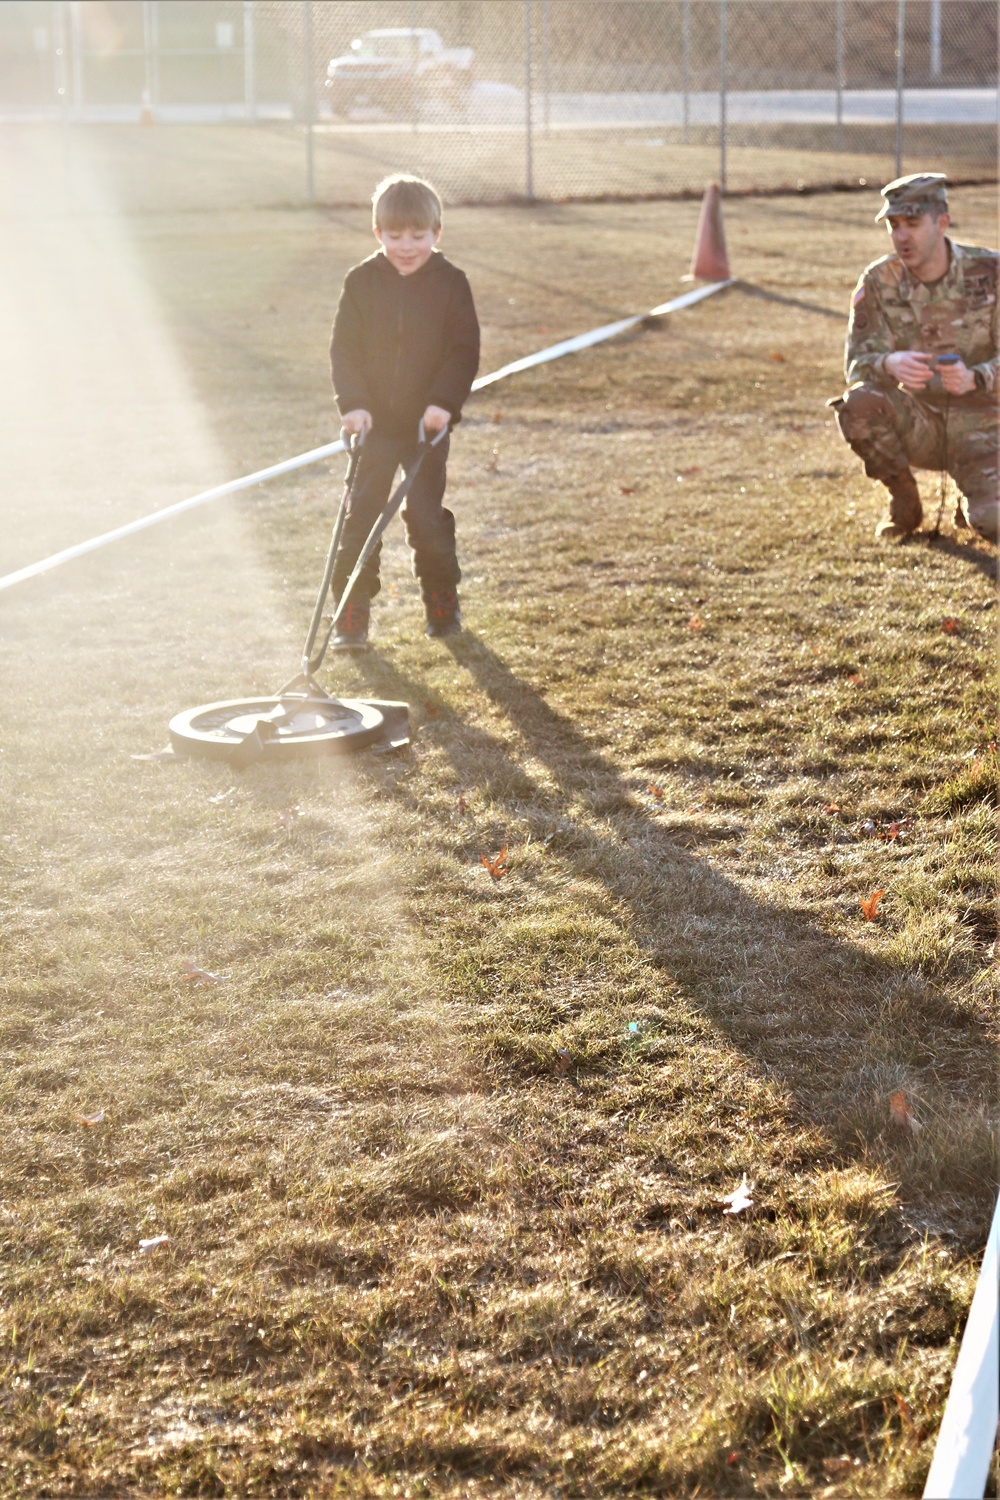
(405, 348)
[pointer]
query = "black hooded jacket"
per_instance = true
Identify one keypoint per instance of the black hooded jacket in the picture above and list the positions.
(403, 343)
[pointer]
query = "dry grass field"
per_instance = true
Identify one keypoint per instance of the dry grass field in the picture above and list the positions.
(442, 1159)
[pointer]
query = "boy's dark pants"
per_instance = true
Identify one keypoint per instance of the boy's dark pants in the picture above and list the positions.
(430, 529)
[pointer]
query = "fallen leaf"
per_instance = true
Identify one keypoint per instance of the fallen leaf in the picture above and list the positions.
(776, 356)
(91, 1119)
(870, 905)
(696, 622)
(286, 819)
(497, 416)
(461, 806)
(627, 489)
(194, 975)
(891, 831)
(831, 807)
(734, 1458)
(146, 1247)
(838, 1465)
(656, 792)
(902, 1115)
(686, 473)
(565, 1061)
(857, 679)
(903, 1407)
(497, 867)
(950, 625)
(739, 1199)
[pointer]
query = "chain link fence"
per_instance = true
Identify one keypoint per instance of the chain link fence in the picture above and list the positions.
(276, 101)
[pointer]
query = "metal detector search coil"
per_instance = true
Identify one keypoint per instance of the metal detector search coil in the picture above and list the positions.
(246, 730)
(302, 718)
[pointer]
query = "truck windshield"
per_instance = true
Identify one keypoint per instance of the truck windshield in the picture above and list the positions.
(386, 46)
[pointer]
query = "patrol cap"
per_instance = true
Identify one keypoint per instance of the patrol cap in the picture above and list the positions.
(916, 194)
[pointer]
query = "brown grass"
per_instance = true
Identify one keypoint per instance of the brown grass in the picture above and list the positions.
(410, 1252)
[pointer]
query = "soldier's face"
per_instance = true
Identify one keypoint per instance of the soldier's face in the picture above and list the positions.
(917, 238)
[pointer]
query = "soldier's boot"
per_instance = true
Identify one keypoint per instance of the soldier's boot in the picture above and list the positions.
(352, 627)
(905, 511)
(443, 614)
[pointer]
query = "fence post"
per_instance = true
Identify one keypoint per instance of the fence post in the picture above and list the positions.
(900, 81)
(61, 40)
(935, 38)
(150, 71)
(249, 63)
(76, 35)
(545, 65)
(529, 183)
(415, 94)
(839, 141)
(307, 64)
(686, 65)
(723, 86)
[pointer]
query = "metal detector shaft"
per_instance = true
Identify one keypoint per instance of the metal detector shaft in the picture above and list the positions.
(354, 449)
(391, 507)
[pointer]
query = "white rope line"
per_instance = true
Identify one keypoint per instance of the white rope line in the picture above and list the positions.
(598, 335)
(964, 1446)
(555, 351)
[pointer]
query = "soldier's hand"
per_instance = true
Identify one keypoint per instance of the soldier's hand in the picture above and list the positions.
(358, 420)
(911, 367)
(957, 378)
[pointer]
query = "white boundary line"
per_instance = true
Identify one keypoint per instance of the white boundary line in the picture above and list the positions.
(965, 1443)
(555, 351)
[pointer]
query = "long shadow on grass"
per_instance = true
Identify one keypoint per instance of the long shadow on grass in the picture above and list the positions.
(749, 290)
(986, 562)
(813, 1009)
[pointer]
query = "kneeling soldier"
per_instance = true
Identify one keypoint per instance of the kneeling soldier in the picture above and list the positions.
(921, 360)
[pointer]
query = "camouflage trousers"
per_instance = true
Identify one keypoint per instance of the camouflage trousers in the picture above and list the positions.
(892, 430)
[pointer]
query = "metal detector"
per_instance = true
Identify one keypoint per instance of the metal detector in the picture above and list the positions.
(302, 719)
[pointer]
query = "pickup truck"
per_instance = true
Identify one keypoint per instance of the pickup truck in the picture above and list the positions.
(397, 70)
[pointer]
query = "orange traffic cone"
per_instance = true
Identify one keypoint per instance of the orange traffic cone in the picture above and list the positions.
(710, 261)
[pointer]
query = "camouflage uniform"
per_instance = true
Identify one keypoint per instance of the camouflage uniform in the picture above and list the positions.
(892, 428)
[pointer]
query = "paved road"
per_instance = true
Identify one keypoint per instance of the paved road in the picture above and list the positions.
(501, 106)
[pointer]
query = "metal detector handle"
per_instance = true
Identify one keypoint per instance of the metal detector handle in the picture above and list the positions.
(353, 442)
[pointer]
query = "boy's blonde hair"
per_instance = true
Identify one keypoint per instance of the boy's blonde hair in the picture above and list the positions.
(405, 202)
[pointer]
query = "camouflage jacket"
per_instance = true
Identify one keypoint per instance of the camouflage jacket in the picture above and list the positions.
(892, 310)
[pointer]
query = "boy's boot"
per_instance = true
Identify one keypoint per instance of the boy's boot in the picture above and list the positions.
(443, 614)
(352, 628)
(905, 511)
